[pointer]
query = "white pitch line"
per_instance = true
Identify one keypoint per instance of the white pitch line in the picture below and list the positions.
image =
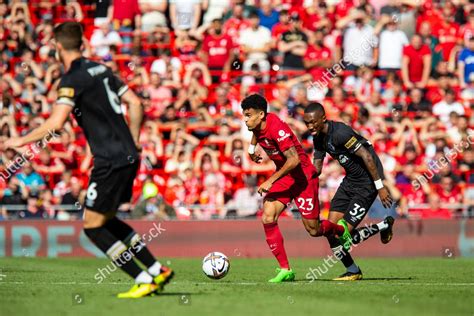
(244, 283)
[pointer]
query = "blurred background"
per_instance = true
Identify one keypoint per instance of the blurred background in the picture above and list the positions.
(400, 72)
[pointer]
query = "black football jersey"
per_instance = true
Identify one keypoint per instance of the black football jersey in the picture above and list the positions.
(94, 93)
(341, 142)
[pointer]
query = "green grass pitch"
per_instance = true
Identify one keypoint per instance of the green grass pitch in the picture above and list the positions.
(431, 286)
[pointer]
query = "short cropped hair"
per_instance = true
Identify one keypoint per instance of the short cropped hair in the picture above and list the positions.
(69, 34)
(315, 107)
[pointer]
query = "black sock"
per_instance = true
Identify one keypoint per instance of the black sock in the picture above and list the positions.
(125, 233)
(364, 233)
(114, 249)
(336, 246)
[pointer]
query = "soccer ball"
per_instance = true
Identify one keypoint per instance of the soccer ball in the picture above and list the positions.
(215, 265)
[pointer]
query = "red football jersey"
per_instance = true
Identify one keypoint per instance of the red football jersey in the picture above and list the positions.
(276, 138)
(315, 53)
(218, 48)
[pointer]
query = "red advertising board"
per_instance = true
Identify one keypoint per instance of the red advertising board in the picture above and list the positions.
(235, 238)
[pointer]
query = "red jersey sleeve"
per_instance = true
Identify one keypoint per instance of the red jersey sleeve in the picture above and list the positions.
(281, 133)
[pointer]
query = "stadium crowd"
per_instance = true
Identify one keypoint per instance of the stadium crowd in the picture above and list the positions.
(399, 71)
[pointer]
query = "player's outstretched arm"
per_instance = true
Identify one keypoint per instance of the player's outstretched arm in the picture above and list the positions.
(54, 123)
(135, 113)
(292, 161)
(318, 164)
(371, 166)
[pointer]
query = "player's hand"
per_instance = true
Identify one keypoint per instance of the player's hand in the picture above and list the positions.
(385, 197)
(139, 147)
(14, 143)
(264, 187)
(256, 158)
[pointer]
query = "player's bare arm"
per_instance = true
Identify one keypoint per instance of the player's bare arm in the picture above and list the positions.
(55, 122)
(292, 161)
(136, 114)
(253, 143)
(384, 195)
(318, 164)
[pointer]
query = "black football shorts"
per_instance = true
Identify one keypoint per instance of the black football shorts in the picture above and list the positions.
(110, 186)
(354, 200)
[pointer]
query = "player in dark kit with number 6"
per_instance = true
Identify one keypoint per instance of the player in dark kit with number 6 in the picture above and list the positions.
(92, 93)
(359, 189)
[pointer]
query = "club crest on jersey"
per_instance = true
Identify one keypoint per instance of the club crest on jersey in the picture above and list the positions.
(342, 159)
(350, 142)
(283, 135)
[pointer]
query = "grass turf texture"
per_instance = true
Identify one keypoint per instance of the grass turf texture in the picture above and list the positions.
(432, 286)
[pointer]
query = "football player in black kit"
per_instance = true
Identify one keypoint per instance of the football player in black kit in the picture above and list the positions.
(359, 188)
(93, 94)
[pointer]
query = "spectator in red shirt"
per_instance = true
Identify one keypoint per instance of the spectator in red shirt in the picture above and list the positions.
(447, 31)
(216, 50)
(450, 196)
(416, 63)
(316, 16)
(236, 22)
(467, 30)
(282, 26)
(127, 18)
(317, 57)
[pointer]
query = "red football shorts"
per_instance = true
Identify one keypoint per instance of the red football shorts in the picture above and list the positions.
(303, 191)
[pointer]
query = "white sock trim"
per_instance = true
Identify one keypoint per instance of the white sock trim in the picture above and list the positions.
(155, 269)
(143, 278)
(382, 225)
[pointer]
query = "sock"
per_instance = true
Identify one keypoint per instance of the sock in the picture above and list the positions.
(126, 234)
(353, 268)
(114, 249)
(364, 233)
(382, 225)
(155, 269)
(346, 257)
(143, 277)
(275, 242)
(327, 228)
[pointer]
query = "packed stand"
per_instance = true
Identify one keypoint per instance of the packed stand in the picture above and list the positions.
(399, 71)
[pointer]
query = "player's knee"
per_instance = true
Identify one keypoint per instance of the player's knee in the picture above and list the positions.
(268, 218)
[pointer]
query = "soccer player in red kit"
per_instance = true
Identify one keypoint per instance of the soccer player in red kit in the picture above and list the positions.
(295, 178)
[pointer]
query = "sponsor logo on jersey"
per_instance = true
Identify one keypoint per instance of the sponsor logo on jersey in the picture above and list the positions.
(66, 92)
(350, 142)
(283, 135)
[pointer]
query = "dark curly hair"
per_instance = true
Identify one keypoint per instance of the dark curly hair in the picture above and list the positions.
(256, 102)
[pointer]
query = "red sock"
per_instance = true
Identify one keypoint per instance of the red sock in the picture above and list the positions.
(275, 242)
(327, 228)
